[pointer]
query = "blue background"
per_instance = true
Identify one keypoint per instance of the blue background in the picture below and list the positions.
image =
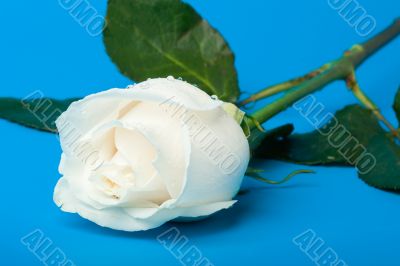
(42, 47)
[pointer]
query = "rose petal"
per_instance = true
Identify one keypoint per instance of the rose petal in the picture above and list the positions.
(134, 219)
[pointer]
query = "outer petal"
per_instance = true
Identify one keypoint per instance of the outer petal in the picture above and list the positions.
(136, 219)
(94, 110)
(217, 162)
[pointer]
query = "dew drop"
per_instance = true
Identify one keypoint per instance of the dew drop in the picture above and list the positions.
(214, 97)
(144, 85)
(180, 78)
(170, 78)
(130, 86)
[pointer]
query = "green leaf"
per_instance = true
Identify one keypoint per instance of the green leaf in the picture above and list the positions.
(353, 137)
(386, 172)
(38, 113)
(396, 105)
(268, 137)
(158, 38)
(316, 147)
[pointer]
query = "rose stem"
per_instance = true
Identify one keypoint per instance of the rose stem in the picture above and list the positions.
(275, 89)
(340, 69)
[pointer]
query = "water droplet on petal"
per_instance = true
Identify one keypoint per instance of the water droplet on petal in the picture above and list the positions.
(170, 78)
(144, 85)
(180, 78)
(130, 86)
(214, 97)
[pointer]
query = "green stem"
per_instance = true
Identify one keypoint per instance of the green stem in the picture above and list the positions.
(281, 87)
(339, 69)
(353, 85)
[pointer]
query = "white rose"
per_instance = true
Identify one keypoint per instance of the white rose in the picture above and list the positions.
(136, 158)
